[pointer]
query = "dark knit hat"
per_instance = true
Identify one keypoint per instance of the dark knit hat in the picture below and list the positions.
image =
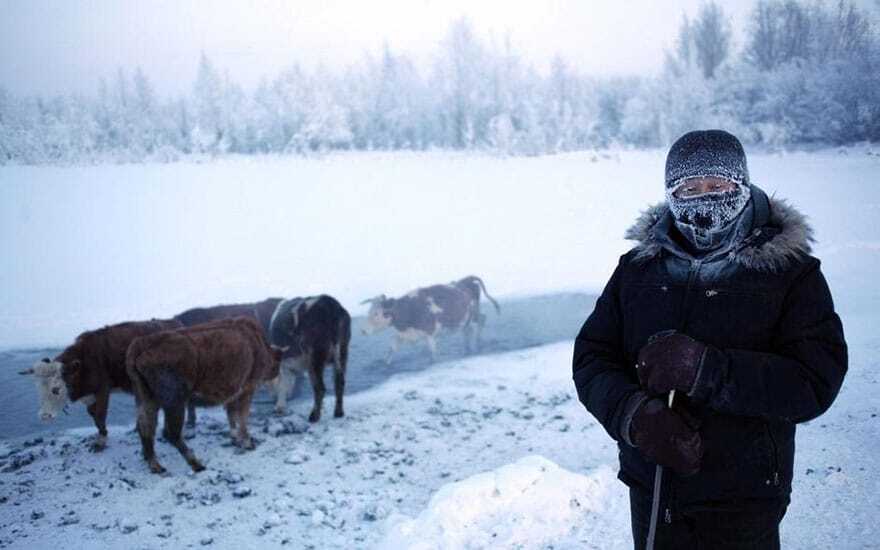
(706, 153)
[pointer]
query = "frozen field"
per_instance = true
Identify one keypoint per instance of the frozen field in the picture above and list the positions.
(87, 246)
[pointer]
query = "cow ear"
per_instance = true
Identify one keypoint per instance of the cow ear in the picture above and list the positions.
(26, 372)
(46, 360)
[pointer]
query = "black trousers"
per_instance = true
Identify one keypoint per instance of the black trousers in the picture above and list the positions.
(740, 525)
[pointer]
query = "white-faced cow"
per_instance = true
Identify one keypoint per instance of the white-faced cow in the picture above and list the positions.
(218, 363)
(317, 330)
(424, 312)
(88, 370)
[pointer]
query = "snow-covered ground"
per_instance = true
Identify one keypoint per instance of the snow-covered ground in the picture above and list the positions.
(488, 452)
(440, 452)
(341, 483)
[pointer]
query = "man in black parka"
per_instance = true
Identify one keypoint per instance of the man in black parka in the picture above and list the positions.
(721, 302)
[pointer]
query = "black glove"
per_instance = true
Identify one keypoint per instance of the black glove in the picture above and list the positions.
(670, 361)
(669, 437)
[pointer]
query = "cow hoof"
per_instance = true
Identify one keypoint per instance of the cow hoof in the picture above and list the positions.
(338, 414)
(97, 447)
(197, 466)
(315, 416)
(157, 468)
(248, 445)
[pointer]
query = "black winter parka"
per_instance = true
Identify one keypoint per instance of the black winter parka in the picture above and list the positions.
(777, 353)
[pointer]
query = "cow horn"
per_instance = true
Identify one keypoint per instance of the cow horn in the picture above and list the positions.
(26, 372)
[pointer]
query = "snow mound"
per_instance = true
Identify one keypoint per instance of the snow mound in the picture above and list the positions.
(526, 504)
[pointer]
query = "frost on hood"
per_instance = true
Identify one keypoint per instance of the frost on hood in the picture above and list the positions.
(705, 217)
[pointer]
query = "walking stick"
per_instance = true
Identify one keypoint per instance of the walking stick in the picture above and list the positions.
(655, 503)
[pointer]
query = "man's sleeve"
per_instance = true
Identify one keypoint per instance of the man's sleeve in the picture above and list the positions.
(605, 385)
(799, 380)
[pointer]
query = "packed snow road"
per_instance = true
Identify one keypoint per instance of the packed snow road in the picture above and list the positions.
(523, 323)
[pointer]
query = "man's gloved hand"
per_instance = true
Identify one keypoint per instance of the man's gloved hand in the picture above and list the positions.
(670, 361)
(667, 436)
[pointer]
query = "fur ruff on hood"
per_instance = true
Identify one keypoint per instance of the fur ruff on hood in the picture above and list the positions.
(782, 239)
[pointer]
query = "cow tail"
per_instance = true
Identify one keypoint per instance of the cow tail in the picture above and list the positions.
(132, 354)
(486, 292)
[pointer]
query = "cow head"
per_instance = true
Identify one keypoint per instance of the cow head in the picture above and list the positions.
(51, 387)
(379, 317)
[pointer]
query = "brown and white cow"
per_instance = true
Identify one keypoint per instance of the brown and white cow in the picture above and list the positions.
(424, 312)
(89, 369)
(317, 330)
(219, 363)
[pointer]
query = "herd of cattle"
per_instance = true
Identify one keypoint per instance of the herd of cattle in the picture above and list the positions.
(221, 355)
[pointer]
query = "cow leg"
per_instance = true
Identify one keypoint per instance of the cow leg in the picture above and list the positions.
(481, 322)
(190, 415)
(98, 412)
(432, 347)
(231, 417)
(468, 332)
(148, 411)
(395, 346)
(284, 384)
(316, 377)
(173, 432)
(240, 410)
(340, 366)
(189, 430)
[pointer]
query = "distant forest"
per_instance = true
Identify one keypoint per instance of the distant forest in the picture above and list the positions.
(806, 73)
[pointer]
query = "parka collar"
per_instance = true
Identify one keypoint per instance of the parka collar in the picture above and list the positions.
(779, 234)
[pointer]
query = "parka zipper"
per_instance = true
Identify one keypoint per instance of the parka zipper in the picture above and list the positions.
(692, 275)
(774, 475)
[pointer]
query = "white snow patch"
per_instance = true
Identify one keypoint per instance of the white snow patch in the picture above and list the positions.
(526, 504)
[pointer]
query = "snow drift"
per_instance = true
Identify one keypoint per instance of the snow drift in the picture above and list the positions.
(526, 504)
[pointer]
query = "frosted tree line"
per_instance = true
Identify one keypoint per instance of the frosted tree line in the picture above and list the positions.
(802, 73)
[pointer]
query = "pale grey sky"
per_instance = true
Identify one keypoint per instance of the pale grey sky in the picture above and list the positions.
(67, 45)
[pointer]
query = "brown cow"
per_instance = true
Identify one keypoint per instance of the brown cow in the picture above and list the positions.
(261, 311)
(422, 313)
(89, 369)
(219, 363)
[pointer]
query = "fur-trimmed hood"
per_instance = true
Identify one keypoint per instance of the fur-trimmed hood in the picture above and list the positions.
(780, 234)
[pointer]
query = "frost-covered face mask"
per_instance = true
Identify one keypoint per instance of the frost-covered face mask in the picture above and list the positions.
(707, 218)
